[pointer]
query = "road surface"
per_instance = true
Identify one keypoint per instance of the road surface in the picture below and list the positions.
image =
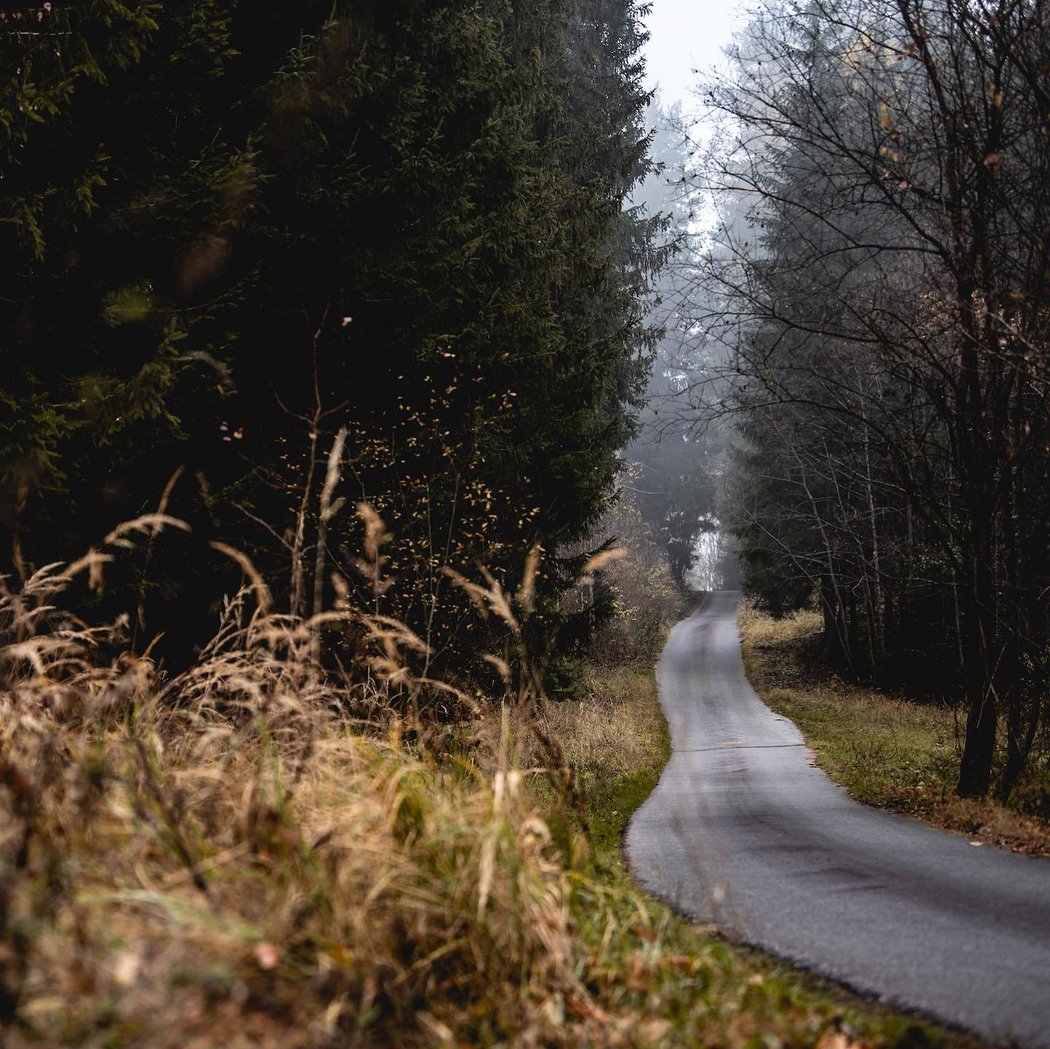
(743, 830)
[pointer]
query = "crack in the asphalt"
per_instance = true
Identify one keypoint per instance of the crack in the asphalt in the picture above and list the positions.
(735, 746)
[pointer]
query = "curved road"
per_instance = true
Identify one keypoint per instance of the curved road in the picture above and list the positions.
(745, 831)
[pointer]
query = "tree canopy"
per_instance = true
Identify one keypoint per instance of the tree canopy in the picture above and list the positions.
(882, 286)
(231, 231)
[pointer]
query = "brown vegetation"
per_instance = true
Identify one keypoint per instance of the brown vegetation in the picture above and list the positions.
(253, 853)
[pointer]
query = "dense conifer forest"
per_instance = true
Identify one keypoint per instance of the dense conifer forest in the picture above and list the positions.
(236, 234)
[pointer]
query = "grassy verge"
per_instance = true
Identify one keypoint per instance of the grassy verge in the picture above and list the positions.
(224, 858)
(696, 988)
(885, 750)
(617, 743)
(262, 876)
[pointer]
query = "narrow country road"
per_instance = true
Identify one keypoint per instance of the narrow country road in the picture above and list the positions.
(745, 831)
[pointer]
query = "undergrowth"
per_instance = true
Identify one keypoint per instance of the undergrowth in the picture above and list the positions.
(257, 853)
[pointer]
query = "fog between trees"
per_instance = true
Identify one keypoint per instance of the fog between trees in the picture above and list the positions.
(879, 280)
(234, 232)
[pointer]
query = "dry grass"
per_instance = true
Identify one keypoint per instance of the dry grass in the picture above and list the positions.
(227, 858)
(612, 732)
(645, 600)
(615, 743)
(886, 750)
(219, 860)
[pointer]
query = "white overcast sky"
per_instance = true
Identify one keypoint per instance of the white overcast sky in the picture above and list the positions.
(685, 35)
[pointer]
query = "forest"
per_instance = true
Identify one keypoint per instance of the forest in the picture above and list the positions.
(878, 280)
(237, 237)
(371, 375)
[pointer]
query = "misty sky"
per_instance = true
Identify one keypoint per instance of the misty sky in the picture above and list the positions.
(686, 34)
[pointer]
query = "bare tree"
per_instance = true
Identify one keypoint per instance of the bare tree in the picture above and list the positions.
(890, 285)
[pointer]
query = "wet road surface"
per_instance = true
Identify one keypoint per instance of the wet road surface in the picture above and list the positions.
(743, 830)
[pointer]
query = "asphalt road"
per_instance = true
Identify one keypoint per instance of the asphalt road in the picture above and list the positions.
(743, 830)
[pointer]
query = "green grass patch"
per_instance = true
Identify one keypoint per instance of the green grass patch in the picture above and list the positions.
(609, 807)
(885, 751)
(612, 800)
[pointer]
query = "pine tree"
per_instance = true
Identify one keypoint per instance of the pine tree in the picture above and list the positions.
(402, 219)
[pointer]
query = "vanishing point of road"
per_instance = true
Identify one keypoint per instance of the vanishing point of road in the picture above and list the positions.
(743, 830)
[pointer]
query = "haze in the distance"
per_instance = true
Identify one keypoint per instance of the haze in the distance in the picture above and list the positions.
(685, 35)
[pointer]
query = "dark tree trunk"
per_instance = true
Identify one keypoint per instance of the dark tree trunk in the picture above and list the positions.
(975, 773)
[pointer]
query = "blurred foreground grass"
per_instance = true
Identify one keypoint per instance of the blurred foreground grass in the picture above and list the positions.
(225, 858)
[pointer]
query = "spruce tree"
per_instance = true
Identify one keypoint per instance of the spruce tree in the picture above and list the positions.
(240, 228)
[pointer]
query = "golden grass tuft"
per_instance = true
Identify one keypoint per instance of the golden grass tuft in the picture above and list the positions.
(232, 857)
(181, 855)
(612, 731)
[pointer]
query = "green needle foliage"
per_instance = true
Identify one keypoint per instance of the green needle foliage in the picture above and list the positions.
(232, 230)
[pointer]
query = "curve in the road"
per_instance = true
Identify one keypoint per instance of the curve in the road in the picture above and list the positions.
(743, 830)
